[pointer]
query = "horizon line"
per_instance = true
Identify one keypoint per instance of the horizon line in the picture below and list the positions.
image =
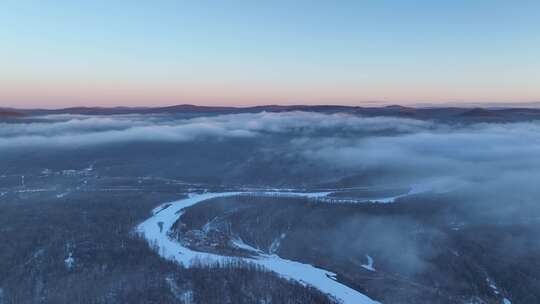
(371, 104)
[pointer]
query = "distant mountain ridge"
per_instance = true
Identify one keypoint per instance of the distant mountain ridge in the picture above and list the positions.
(10, 114)
(438, 113)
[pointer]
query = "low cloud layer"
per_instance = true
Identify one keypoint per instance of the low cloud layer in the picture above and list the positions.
(480, 150)
(415, 150)
(67, 130)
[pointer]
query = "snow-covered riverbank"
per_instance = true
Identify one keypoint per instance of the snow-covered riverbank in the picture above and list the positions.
(156, 227)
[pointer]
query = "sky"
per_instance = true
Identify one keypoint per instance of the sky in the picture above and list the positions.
(150, 53)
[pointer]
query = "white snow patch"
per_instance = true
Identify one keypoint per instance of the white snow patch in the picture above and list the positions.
(276, 243)
(61, 195)
(288, 194)
(434, 186)
(210, 225)
(90, 168)
(506, 301)
(415, 189)
(34, 190)
(321, 279)
(69, 261)
(304, 273)
(239, 243)
(492, 286)
(184, 295)
(46, 171)
(160, 208)
(369, 265)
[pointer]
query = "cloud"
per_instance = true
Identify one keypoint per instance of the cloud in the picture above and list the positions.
(479, 150)
(77, 130)
(91, 131)
(415, 151)
(309, 122)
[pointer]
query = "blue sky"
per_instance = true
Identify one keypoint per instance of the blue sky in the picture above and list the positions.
(71, 53)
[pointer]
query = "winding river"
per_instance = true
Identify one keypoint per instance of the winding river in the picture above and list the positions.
(155, 229)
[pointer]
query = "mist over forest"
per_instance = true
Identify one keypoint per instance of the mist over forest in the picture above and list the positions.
(398, 208)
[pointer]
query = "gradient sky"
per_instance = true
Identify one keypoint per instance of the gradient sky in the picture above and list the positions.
(119, 53)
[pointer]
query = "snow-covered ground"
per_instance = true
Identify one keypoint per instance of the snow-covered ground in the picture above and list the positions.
(156, 227)
(438, 186)
(415, 189)
(495, 289)
(69, 261)
(369, 265)
(61, 195)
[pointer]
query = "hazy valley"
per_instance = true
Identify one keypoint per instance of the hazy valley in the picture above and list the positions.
(270, 205)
